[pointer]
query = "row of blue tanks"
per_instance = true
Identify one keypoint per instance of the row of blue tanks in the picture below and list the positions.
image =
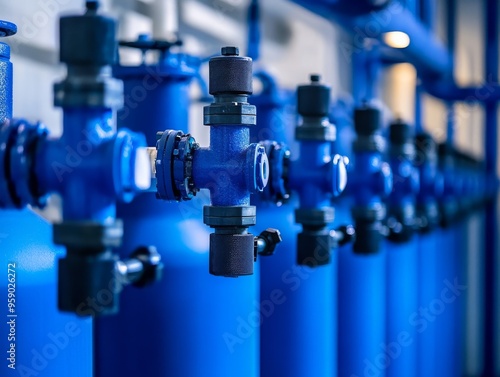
(358, 268)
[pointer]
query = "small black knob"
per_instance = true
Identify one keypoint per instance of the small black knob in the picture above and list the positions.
(152, 267)
(367, 120)
(92, 5)
(88, 40)
(230, 51)
(269, 238)
(425, 144)
(313, 248)
(230, 74)
(344, 234)
(401, 133)
(368, 236)
(313, 100)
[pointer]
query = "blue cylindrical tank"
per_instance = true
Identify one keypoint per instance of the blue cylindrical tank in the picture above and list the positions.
(39, 340)
(361, 311)
(191, 323)
(297, 330)
(402, 253)
(362, 266)
(402, 302)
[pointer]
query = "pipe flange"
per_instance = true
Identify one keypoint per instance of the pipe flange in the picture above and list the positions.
(88, 237)
(277, 189)
(371, 143)
(258, 165)
(22, 153)
(406, 151)
(7, 140)
(183, 166)
(7, 29)
(174, 165)
(427, 217)
(317, 217)
(314, 247)
(18, 140)
(226, 216)
(230, 113)
(376, 212)
(317, 132)
(88, 91)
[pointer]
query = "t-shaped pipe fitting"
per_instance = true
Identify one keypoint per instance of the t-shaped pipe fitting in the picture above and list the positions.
(401, 216)
(370, 181)
(231, 168)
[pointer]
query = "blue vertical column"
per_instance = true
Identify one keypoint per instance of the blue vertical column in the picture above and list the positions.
(6, 29)
(402, 253)
(444, 311)
(191, 323)
(429, 344)
(59, 343)
(491, 309)
(362, 268)
(298, 339)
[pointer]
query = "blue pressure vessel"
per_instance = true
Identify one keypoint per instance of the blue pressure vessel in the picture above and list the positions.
(39, 340)
(190, 323)
(297, 329)
(402, 257)
(45, 341)
(362, 266)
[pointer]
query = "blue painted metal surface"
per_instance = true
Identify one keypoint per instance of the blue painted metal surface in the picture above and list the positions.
(402, 253)
(362, 268)
(48, 343)
(429, 343)
(231, 167)
(6, 29)
(73, 165)
(492, 342)
(361, 312)
(299, 337)
(188, 301)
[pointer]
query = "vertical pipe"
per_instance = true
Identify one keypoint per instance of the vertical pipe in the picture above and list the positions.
(419, 127)
(491, 71)
(253, 47)
(165, 19)
(5, 83)
(361, 314)
(427, 13)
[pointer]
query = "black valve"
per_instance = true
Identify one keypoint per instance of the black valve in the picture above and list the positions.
(343, 235)
(143, 268)
(91, 275)
(266, 242)
(89, 48)
(145, 43)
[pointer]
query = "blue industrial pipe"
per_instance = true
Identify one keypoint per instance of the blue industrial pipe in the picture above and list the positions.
(448, 315)
(6, 29)
(427, 13)
(253, 48)
(344, 8)
(316, 176)
(402, 256)
(491, 364)
(30, 262)
(230, 168)
(88, 139)
(90, 166)
(158, 99)
(362, 269)
(432, 60)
